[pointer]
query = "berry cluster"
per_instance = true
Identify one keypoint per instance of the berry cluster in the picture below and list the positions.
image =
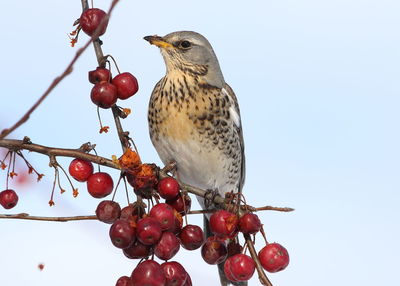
(99, 184)
(157, 233)
(108, 90)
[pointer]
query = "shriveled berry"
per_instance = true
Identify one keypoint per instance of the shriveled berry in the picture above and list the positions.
(80, 169)
(122, 234)
(99, 74)
(100, 184)
(8, 199)
(91, 19)
(191, 237)
(127, 85)
(104, 94)
(149, 273)
(108, 211)
(274, 257)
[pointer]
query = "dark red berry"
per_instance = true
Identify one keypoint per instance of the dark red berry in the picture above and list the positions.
(8, 199)
(80, 169)
(174, 273)
(168, 188)
(124, 281)
(223, 223)
(148, 273)
(228, 271)
(240, 267)
(214, 250)
(274, 257)
(104, 94)
(99, 74)
(91, 19)
(188, 281)
(108, 211)
(127, 85)
(249, 223)
(167, 247)
(148, 231)
(181, 203)
(191, 237)
(138, 250)
(122, 234)
(164, 214)
(100, 184)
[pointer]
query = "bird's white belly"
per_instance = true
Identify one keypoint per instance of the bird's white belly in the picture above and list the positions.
(196, 165)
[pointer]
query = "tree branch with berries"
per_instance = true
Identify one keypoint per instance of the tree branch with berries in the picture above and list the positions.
(155, 224)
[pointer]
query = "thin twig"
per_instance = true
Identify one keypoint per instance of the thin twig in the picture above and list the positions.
(17, 145)
(45, 218)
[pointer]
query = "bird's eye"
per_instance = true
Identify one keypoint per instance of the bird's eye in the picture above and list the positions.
(185, 44)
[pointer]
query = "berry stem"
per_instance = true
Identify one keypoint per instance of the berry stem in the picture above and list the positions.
(26, 216)
(261, 273)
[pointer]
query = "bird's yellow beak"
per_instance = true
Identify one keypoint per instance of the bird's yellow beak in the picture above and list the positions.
(158, 41)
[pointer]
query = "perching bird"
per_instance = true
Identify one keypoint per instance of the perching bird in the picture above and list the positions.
(194, 117)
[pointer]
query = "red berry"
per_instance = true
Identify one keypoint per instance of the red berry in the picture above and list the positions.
(188, 280)
(124, 281)
(214, 250)
(148, 273)
(164, 214)
(80, 169)
(138, 250)
(122, 234)
(99, 74)
(240, 267)
(274, 257)
(108, 211)
(148, 231)
(100, 184)
(126, 84)
(223, 223)
(168, 188)
(8, 199)
(228, 271)
(91, 19)
(174, 273)
(167, 247)
(249, 223)
(104, 94)
(132, 210)
(192, 237)
(181, 203)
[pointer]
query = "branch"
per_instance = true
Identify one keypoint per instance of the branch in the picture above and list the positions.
(25, 144)
(56, 81)
(45, 218)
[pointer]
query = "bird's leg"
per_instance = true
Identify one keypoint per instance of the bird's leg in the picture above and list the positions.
(209, 199)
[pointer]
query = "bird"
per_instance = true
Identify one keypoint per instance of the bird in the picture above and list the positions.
(194, 118)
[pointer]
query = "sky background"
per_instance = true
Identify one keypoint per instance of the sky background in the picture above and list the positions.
(318, 86)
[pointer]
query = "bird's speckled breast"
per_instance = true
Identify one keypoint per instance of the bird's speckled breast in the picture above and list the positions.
(190, 124)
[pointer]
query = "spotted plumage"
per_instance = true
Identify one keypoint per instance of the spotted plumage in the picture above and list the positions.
(194, 117)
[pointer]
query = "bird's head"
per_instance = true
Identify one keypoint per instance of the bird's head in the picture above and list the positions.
(190, 53)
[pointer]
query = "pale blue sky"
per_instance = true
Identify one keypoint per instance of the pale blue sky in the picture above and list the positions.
(317, 82)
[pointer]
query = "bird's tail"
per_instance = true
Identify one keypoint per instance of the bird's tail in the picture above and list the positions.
(224, 281)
